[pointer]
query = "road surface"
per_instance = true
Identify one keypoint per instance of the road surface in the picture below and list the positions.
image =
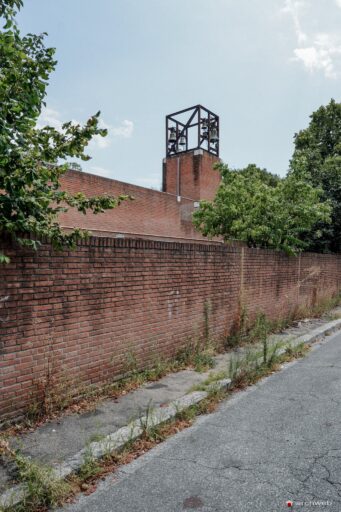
(277, 441)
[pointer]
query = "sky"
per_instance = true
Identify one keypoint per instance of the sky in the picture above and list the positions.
(262, 65)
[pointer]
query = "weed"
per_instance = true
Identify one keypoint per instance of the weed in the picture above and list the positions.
(334, 316)
(90, 466)
(207, 311)
(197, 355)
(294, 352)
(272, 354)
(187, 414)
(42, 489)
(262, 326)
(211, 380)
(159, 368)
(52, 394)
(259, 330)
(146, 421)
(95, 438)
(130, 364)
(253, 366)
(318, 309)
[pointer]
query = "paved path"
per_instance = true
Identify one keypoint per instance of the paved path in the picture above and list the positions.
(279, 440)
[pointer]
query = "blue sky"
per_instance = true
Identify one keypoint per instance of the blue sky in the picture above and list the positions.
(262, 65)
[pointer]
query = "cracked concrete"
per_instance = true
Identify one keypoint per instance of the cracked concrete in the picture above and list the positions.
(278, 440)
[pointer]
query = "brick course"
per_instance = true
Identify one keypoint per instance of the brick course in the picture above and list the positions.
(83, 311)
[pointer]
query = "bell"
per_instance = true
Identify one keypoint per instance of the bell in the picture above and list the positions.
(172, 135)
(182, 141)
(214, 135)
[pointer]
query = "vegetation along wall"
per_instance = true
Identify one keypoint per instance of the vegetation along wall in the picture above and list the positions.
(79, 314)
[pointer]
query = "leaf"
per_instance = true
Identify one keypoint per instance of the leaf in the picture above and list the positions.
(4, 259)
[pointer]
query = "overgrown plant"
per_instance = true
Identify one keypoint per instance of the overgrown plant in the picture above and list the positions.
(146, 419)
(32, 158)
(90, 466)
(42, 488)
(198, 354)
(254, 332)
(207, 312)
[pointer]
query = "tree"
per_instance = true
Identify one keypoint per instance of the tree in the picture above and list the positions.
(261, 211)
(251, 171)
(317, 159)
(31, 158)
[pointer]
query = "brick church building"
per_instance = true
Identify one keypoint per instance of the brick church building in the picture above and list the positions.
(188, 177)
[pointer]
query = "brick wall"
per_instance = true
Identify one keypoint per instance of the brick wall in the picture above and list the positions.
(151, 213)
(81, 312)
(191, 175)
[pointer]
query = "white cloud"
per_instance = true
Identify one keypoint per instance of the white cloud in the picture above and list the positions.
(293, 8)
(308, 56)
(52, 117)
(318, 51)
(124, 130)
(324, 55)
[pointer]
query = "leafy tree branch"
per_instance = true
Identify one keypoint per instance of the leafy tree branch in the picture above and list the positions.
(32, 159)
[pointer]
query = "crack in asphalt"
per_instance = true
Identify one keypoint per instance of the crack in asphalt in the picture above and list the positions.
(256, 469)
(206, 466)
(316, 461)
(238, 467)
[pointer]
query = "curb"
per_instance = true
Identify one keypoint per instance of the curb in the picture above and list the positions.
(131, 432)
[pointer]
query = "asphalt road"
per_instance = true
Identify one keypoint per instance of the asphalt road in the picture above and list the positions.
(277, 441)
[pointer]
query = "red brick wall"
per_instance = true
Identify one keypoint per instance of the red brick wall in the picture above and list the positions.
(151, 213)
(191, 175)
(83, 311)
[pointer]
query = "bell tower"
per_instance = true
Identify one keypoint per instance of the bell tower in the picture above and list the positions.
(192, 149)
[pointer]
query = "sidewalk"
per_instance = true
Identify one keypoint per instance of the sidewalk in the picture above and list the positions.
(60, 440)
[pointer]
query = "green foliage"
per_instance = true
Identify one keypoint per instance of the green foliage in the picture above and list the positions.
(261, 210)
(251, 171)
(42, 488)
(90, 466)
(317, 159)
(32, 159)
(196, 354)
